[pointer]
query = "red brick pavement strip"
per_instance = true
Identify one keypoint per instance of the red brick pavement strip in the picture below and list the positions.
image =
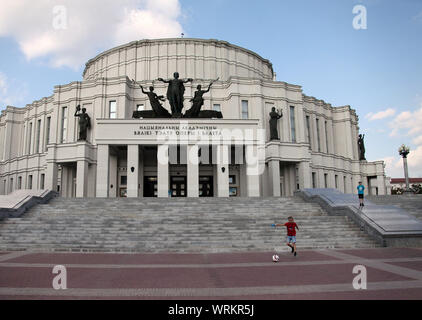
(289, 273)
(415, 265)
(385, 253)
(190, 278)
(128, 259)
(396, 294)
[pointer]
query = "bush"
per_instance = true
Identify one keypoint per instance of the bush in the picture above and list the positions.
(417, 188)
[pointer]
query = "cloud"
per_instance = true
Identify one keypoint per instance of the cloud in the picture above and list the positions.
(70, 32)
(380, 115)
(407, 123)
(11, 91)
(394, 164)
(407, 126)
(417, 140)
(393, 167)
(414, 161)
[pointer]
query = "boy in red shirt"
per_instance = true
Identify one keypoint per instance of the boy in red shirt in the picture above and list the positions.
(291, 233)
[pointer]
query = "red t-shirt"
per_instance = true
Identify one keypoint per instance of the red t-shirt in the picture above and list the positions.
(291, 228)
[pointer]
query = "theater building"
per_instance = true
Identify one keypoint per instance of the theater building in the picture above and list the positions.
(40, 147)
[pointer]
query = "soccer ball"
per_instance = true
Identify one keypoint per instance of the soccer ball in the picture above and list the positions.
(276, 258)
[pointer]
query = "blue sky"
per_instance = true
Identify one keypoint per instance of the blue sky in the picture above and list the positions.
(378, 71)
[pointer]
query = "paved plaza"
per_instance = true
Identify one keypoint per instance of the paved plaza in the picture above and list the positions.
(392, 273)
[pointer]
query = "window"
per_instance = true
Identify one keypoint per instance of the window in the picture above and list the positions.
(216, 107)
(326, 136)
(318, 135)
(11, 185)
(47, 132)
(29, 138)
(308, 130)
(113, 110)
(37, 142)
(232, 179)
(140, 107)
(42, 181)
(326, 180)
(297, 178)
(30, 182)
(19, 183)
(313, 180)
(293, 123)
(63, 137)
(245, 109)
(336, 181)
(344, 182)
(123, 180)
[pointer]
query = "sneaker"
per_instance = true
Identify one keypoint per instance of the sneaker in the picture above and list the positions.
(295, 253)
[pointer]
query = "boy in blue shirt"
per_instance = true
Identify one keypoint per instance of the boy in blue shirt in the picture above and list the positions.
(361, 190)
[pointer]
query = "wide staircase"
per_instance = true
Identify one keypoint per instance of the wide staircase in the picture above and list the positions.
(176, 225)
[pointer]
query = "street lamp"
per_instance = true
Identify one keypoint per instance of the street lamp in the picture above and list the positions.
(404, 151)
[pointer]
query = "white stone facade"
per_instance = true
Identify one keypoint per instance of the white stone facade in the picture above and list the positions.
(39, 147)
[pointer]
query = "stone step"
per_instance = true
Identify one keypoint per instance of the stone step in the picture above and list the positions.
(176, 225)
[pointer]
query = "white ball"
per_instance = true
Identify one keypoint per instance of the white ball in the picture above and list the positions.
(276, 258)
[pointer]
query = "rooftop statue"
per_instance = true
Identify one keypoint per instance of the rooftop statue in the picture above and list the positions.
(154, 99)
(175, 92)
(198, 101)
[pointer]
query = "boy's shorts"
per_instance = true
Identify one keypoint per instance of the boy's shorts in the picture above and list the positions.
(360, 196)
(291, 239)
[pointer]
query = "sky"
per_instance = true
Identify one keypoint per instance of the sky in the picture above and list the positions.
(333, 52)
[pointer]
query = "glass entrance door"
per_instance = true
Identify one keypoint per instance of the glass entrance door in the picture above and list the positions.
(150, 187)
(178, 187)
(206, 188)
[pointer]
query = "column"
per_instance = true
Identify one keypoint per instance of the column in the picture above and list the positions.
(330, 136)
(305, 175)
(141, 173)
(274, 173)
(50, 177)
(332, 180)
(113, 174)
(222, 161)
(349, 139)
(82, 179)
(252, 171)
(381, 185)
(193, 171)
(163, 171)
(8, 138)
(103, 168)
(132, 171)
(320, 179)
(301, 125)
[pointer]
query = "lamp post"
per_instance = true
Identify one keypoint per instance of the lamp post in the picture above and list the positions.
(404, 151)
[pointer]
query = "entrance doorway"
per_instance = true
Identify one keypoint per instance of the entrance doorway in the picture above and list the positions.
(206, 187)
(150, 187)
(178, 187)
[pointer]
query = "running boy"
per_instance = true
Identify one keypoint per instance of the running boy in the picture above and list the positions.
(291, 233)
(361, 190)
